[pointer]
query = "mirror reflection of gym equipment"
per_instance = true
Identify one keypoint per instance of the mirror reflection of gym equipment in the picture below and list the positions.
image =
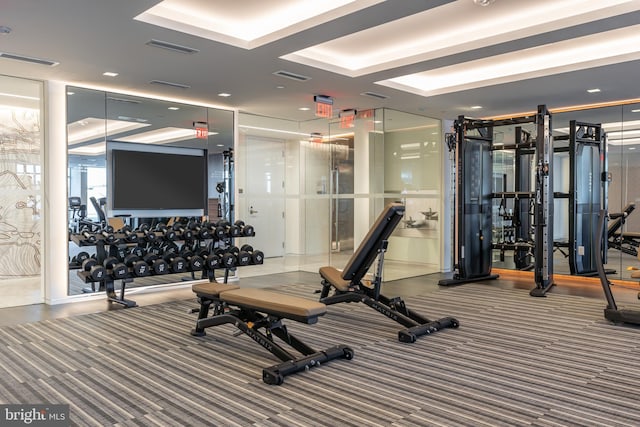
(97, 119)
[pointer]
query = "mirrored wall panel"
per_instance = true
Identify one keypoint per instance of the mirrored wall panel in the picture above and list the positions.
(141, 166)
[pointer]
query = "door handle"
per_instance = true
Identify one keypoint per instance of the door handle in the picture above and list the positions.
(252, 211)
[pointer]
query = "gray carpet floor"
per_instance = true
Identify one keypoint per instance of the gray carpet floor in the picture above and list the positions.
(515, 360)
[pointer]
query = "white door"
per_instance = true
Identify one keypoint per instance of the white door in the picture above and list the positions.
(265, 195)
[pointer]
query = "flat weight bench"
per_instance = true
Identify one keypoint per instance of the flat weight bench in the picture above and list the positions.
(348, 285)
(251, 309)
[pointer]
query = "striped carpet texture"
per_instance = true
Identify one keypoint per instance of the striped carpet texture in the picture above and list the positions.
(514, 361)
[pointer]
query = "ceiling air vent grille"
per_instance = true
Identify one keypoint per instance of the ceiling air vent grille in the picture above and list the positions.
(28, 59)
(125, 100)
(292, 76)
(172, 84)
(171, 46)
(374, 95)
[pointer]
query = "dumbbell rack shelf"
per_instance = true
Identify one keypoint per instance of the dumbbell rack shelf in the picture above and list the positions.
(121, 242)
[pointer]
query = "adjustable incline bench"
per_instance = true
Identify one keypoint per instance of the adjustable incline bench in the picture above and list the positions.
(626, 242)
(348, 285)
(251, 309)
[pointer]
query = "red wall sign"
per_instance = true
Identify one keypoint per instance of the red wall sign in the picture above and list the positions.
(202, 133)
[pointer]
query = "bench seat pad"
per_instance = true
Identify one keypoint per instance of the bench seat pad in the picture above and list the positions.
(212, 290)
(291, 307)
(334, 276)
(628, 234)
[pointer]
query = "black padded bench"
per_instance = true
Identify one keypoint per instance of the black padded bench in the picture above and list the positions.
(251, 309)
(626, 242)
(348, 285)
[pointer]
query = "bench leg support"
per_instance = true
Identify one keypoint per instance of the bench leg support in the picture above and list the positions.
(275, 374)
(273, 326)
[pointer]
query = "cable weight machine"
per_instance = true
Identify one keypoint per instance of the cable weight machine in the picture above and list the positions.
(473, 225)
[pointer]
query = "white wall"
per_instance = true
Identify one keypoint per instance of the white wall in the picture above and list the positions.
(56, 237)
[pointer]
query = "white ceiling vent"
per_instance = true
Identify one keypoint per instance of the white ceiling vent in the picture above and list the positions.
(172, 84)
(171, 46)
(125, 100)
(374, 95)
(292, 76)
(28, 59)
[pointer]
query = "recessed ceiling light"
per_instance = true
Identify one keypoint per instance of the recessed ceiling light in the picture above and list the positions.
(219, 145)
(476, 107)
(632, 148)
(636, 110)
(431, 34)
(544, 60)
(279, 87)
(225, 95)
(246, 28)
(594, 90)
(73, 93)
(173, 108)
(34, 98)
(109, 74)
(304, 108)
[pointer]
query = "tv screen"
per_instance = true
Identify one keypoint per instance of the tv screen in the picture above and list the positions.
(156, 181)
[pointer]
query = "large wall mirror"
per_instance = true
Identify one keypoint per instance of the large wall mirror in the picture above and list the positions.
(581, 206)
(98, 121)
(621, 123)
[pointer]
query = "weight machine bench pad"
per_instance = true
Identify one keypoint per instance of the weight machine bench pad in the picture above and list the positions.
(279, 305)
(334, 277)
(212, 290)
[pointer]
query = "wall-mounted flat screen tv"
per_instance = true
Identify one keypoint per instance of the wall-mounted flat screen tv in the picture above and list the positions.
(156, 181)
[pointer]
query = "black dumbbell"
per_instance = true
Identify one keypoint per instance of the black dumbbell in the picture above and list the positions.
(88, 237)
(107, 234)
(95, 270)
(194, 262)
(248, 230)
(220, 232)
(212, 261)
(78, 259)
(167, 233)
(129, 235)
(155, 248)
(138, 267)
(117, 269)
(228, 260)
(185, 233)
(177, 264)
(235, 231)
(157, 264)
(221, 229)
(138, 251)
(257, 257)
(201, 230)
(244, 256)
(149, 235)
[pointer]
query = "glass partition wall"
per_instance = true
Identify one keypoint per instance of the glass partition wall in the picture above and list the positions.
(337, 178)
(21, 191)
(96, 119)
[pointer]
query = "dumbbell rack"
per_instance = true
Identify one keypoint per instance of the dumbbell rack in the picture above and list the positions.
(207, 237)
